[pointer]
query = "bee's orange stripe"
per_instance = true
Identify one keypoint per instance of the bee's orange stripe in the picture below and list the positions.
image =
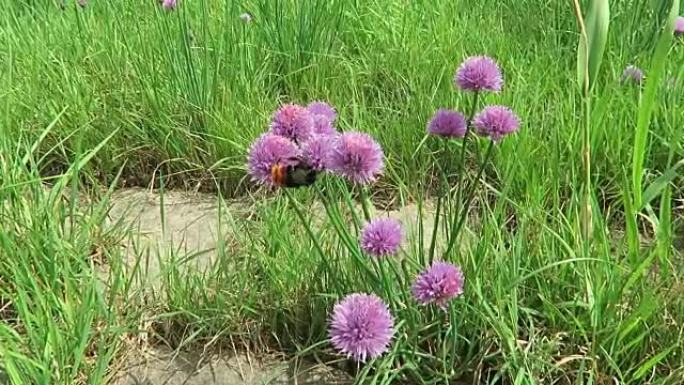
(278, 174)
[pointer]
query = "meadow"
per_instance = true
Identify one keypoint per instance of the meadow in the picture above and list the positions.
(570, 237)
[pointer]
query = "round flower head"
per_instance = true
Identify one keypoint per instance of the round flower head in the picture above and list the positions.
(361, 326)
(267, 151)
(632, 74)
(447, 123)
(169, 5)
(322, 108)
(381, 237)
(357, 157)
(496, 122)
(479, 73)
(316, 151)
(292, 121)
(679, 26)
(438, 284)
(323, 125)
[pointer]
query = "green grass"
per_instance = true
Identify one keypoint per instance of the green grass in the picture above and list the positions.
(116, 95)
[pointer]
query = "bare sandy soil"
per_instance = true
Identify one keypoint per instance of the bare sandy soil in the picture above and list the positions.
(161, 366)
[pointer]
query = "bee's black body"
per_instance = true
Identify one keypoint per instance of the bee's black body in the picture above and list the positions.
(299, 176)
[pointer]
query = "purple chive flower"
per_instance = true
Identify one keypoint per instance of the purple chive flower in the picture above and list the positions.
(496, 122)
(479, 73)
(361, 326)
(447, 123)
(323, 125)
(169, 5)
(82, 3)
(438, 284)
(632, 74)
(292, 121)
(316, 151)
(679, 26)
(357, 157)
(324, 116)
(322, 108)
(381, 237)
(267, 151)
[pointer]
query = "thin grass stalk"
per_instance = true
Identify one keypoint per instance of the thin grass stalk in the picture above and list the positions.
(585, 132)
(461, 170)
(343, 232)
(366, 204)
(309, 230)
(461, 163)
(460, 219)
(443, 191)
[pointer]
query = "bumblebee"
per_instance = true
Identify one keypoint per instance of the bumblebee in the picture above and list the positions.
(293, 175)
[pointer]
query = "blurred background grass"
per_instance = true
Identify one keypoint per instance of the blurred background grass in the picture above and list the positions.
(189, 90)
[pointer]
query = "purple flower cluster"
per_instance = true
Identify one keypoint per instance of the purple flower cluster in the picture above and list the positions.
(316, 151)
(447, 123)
(361, 326)
(381, 237)
(324, 117)
(293, 122)
(357, 157)
(479, 73)
(311, 139)
(438, 284)
(267, 151)
(476, 74)
(323, 109)
(496, 122)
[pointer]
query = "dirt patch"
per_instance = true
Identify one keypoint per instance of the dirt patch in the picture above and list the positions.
(161, 366)
(174, 225)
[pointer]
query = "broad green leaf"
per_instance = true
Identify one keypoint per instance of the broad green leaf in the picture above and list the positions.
(591, 47)
(657, 186)
(653, 361)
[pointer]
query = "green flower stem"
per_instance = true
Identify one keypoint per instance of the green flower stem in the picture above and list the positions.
(463, 214)
(366, 204)
(451, 235)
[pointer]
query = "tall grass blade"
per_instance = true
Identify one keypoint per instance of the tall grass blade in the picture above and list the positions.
(42, 136)
(652, 362)
(664, 231)
(657, 186)
(647, 106)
